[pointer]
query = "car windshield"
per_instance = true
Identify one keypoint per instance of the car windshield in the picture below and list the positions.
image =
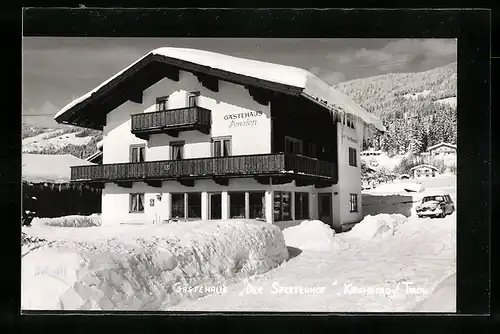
(433, 198)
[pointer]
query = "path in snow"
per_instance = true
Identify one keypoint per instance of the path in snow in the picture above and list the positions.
(422, 252)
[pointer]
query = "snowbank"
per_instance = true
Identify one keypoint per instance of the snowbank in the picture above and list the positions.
(69, 221)
(312, 235)
(377, 227)
(146, 267)
(397, 187)
(442, 299)
(35, 167)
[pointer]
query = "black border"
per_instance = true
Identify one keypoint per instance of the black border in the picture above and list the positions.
(472, 27)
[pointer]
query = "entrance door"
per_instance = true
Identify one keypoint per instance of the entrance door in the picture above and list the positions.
(325, 208)
(215, 206)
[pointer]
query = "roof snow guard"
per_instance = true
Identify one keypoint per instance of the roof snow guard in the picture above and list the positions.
(89, 110)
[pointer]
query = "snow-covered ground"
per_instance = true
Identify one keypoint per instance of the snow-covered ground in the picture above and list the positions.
(415, 96)
(143, 267)
(53, 139)
(391, 268)
(386, 263)
(382, 160)
(451, 101)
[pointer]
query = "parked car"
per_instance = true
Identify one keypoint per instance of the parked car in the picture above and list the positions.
(435, 206)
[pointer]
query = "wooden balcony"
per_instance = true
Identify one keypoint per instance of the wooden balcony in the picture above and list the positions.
(171, 122)
(275, 168)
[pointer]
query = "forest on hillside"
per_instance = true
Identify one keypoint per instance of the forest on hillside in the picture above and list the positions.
(412, 123)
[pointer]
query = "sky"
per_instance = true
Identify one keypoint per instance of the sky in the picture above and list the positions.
(57, 70)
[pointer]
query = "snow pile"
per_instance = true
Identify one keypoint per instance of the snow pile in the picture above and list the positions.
(51, 168)
(442, 299)
(69, 221)
(312, 87)
(377, 227)
(146, 267)
(312, 235)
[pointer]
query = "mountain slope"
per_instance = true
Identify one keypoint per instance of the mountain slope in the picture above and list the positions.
(73, 140)
(418, 109)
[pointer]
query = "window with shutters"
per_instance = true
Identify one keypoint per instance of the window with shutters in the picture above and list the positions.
(221, 147)
(137, 153)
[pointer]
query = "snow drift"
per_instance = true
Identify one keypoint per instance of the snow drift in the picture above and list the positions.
(69, 221)
(442, 299)
(146, 267)
(377, 227)
(312, 235)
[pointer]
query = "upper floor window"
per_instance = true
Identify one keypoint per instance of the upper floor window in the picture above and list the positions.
(352, 157)
(293, 145)
(192, 99)
(137, 153)
(177, 150)
(312, 150)
(221, 147)
(162, 103)
(349, 121)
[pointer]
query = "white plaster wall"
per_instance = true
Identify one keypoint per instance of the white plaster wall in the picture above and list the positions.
(115, 208)
(349, 176)
(231, 99)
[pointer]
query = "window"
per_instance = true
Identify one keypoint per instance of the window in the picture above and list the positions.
(194, 205)
(237, 205)
(176, 150)
(136, 203)
(282, 210)
(302, 206)
(349, 121)
(221, 147)
(162, 103)
(137, 153)
(192, 99)
(178, 206)
(312, 150)
(293, 146)
(352, 157)
(257, 205)
(354, 202)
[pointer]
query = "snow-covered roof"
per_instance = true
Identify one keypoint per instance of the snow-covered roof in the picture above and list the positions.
(312, 87)
(441, 144)
(424, 166)
(50, 168)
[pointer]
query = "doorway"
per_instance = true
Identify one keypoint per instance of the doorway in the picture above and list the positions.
(215, 200)
(325, 208)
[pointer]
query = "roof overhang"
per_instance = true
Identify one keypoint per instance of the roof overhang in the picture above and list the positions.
(90, 110)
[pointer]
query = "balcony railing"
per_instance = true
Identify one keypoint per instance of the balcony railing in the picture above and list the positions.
(233, 166)
(171, 121)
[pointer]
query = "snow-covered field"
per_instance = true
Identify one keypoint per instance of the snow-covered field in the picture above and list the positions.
(451, 101)
(53, 139)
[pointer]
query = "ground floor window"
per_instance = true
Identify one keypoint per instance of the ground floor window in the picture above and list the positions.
(236, 205)
(302, 205)
(136, 202)
(354, 202)
(178, 206)
(257, 205)
(282, 205)
(215, 206)
(194, 205)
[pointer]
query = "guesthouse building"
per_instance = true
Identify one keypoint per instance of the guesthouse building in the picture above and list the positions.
(190, 134)
(442, 149)
(424, 171)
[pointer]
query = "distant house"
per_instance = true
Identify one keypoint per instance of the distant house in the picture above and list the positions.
(442, 149)
(47, 177)
(424, 171)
